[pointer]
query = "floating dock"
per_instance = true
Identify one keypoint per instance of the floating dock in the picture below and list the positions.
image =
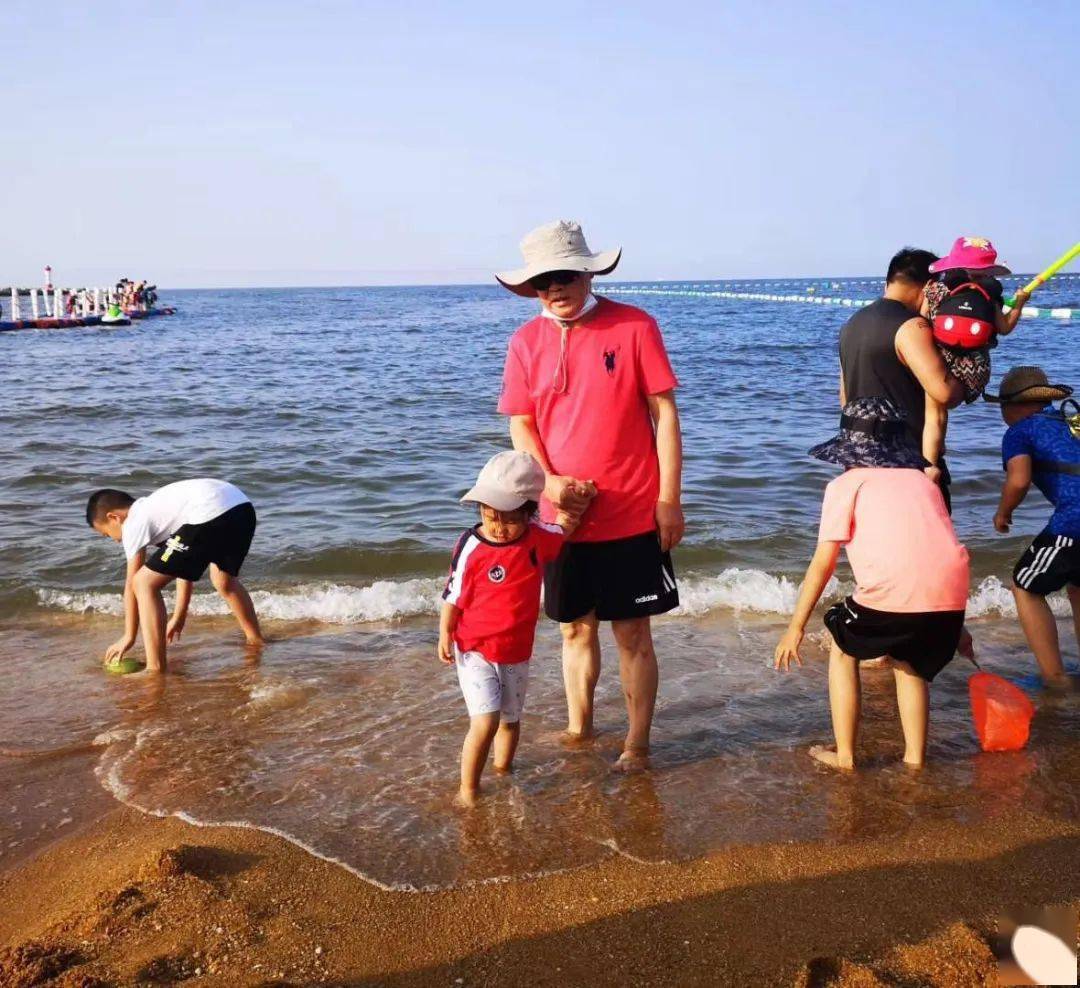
(66, 308)
(73, 322)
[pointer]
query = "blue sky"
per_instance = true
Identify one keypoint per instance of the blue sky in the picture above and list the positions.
(244, 143)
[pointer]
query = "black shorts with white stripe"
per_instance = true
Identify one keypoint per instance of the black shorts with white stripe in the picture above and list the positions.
(616, 580)
(1049, 563)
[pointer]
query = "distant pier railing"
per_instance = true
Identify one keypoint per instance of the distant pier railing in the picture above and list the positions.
(53, 303)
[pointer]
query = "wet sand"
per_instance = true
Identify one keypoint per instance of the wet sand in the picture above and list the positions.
(135, 899)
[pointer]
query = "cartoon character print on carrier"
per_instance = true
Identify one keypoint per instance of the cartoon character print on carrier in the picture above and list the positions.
(966, 359)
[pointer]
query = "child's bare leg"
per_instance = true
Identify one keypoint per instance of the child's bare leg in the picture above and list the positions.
(1041, 632)
(506, 742)
(913, 701)
(148, 586)
(474, 753)
(845, 701)
(239, 600)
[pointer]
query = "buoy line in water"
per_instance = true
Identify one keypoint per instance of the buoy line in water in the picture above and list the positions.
(1030, 311)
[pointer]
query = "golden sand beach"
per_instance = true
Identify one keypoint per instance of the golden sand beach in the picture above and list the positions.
(137, 900)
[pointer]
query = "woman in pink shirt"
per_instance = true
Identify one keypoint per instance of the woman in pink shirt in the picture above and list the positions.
(911, 576)
(590, 394)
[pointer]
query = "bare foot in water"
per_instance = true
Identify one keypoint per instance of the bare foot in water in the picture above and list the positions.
(1065, 683)
(466, 798)
(632, 760)
(576, 739)
(828, 756)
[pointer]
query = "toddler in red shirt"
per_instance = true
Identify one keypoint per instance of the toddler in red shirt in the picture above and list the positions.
(490, 607)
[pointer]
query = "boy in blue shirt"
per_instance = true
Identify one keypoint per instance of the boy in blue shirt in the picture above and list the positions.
(1040, 446)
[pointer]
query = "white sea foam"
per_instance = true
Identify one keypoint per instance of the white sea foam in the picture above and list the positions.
(993, 599)
(384, 600)
(734, 589)
(740, 590)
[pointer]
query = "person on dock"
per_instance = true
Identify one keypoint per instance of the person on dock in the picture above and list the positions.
(887, 351)
(193, 524)
(590, 393)
(490, 606)
(1042, 446)
(910, 571)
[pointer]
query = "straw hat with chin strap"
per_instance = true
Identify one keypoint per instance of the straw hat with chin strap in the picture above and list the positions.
(1027, 384)
(558, 246)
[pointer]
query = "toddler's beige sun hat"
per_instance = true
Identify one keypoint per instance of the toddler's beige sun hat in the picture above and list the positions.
(508, 481)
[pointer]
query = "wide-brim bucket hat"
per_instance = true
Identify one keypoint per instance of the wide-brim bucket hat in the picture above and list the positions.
(873, 433)
(1023, 384)
(974, 254)
(558, 246)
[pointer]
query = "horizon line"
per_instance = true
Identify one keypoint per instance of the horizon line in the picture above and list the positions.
(494, 284)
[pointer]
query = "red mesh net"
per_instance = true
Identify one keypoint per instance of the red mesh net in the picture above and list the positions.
(1002, 713)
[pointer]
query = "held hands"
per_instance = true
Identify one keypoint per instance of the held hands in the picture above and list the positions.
(1002, 522)
(670, 524)
(788, 649)
(445, 649)
(175, 628)
(115, 652)
(1021, 298)
(934, 473)
(567, 522)
(569, 495)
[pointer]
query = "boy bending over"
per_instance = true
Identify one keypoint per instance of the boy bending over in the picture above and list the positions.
(193, 524)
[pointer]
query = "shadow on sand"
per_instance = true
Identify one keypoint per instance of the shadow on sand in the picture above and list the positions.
(834, 929)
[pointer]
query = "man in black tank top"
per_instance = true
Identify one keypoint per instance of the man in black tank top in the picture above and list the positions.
(887, 351)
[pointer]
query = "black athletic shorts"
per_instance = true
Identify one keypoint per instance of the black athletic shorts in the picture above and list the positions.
(1049, 563)
(620, 579)
(926, 640)
(223, 541)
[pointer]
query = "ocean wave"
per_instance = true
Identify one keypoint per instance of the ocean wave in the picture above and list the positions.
(384, 600)
(741, 590)
(734, 589)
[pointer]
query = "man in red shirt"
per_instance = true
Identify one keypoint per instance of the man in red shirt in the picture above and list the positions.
(590, 394)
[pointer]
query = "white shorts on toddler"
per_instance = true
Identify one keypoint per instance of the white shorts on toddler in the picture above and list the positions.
(492, 687)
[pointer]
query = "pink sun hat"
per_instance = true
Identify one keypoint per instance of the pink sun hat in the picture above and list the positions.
(973, 253)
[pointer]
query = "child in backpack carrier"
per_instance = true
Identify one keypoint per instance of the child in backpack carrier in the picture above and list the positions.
(965, 306)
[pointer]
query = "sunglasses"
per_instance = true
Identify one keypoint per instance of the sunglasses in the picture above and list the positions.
(542, 282)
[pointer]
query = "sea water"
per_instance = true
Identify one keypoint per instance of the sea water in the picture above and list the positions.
(354, 418)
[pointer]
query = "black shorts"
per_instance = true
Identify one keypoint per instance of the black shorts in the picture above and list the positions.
(925, 640)
(620, 579)
(223, 541)
(1049, 563)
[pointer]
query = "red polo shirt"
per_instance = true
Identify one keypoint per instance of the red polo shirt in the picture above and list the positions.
(594, 420)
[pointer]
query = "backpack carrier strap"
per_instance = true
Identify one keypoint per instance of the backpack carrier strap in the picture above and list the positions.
(972, 284)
